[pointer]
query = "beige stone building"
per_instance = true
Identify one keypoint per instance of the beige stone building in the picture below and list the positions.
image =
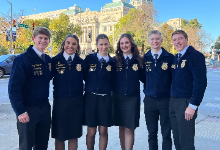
(175, 23)
(94, 22)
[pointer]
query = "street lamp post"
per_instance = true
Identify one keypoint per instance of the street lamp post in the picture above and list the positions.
(11, 50)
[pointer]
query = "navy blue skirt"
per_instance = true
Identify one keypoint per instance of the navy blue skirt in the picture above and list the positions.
(126, 111)
(67, 118)
(98, 110)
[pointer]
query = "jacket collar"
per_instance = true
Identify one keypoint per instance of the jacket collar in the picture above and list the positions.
(60, 56)
(94, 56)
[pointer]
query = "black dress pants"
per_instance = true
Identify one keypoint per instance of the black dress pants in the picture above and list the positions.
(183, 130)
(35, 133)
(155, 108)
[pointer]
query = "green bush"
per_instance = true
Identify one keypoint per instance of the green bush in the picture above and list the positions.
(3, 51)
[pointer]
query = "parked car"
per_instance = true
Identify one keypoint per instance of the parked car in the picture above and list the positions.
(6, 62)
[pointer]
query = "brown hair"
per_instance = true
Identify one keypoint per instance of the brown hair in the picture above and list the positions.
(41, 30)
(101, 36)
(63, 43)
(180, 32)
(134, 50)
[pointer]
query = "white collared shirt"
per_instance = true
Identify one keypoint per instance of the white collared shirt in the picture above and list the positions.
(159, 53)
(66, 56)
(38, 52)
(129, 56)
(100, 57)
(183, 51)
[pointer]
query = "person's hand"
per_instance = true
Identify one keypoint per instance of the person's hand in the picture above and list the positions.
(189, 113)
(24, 118)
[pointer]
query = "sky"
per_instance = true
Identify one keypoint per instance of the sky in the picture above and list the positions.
(206, 11)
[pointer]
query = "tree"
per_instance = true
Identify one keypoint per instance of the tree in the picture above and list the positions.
(111, 48)
(60, 28)
(3, 51)
(217, 43)
(197, 37)
(166, 32)
(139, 22)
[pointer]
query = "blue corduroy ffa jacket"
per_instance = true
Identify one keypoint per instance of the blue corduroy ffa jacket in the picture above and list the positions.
(29, 81)
(128, 77)
(189, 76)
(67, 78)
(158, 78)
(99, 78)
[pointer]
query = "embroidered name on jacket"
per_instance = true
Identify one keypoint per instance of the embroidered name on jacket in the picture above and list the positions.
(60, 68)
(92, 67)
(37, 69)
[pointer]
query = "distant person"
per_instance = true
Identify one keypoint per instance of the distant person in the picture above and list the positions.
(187, 90)
(157, 91)
(126, 97)
(68, 106)
(29, 91)
(98, 86)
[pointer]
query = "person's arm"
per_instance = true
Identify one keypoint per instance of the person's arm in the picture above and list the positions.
(17, 80)
(198, 69)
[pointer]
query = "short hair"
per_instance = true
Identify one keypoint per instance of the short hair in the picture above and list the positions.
(180, 32)
(101, 36)
(154, 32)
(63, 43)
(41, 30)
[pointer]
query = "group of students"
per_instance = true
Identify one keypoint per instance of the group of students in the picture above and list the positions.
(173, 86)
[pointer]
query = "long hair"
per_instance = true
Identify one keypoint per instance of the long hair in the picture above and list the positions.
(134, 50)
(63, 43)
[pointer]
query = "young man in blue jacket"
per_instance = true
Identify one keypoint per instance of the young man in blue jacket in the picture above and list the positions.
(29, 91)
(189, 82)
(157, 91)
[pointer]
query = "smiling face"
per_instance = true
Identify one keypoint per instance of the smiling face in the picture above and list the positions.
(179, 42)
(125, 46)
(70, 45)
(41, 42)
(103, 46)
(155, 41)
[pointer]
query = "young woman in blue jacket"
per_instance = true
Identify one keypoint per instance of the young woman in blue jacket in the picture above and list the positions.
(68, 105)
(126, 96)
(98, 102)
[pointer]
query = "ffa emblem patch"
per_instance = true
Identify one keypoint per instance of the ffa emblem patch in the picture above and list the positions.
(164, 66)
(135, 67)
(61, 71)
(173, 66)
(78, 67)
(49, 64)
(183, 63)
(108, 68)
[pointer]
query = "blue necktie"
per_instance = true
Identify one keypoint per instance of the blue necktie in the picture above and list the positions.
(127, 60)
(102, 61)
(69, 60)
(155, 58)
(42, 57)
(179, 56)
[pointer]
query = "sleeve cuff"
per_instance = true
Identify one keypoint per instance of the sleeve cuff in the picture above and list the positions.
(193, 106)
(22, 114)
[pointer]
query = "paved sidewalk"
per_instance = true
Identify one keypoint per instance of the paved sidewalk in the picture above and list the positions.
(207, 133)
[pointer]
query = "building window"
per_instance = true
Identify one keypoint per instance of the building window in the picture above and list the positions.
(110, 28)
(105, 28)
